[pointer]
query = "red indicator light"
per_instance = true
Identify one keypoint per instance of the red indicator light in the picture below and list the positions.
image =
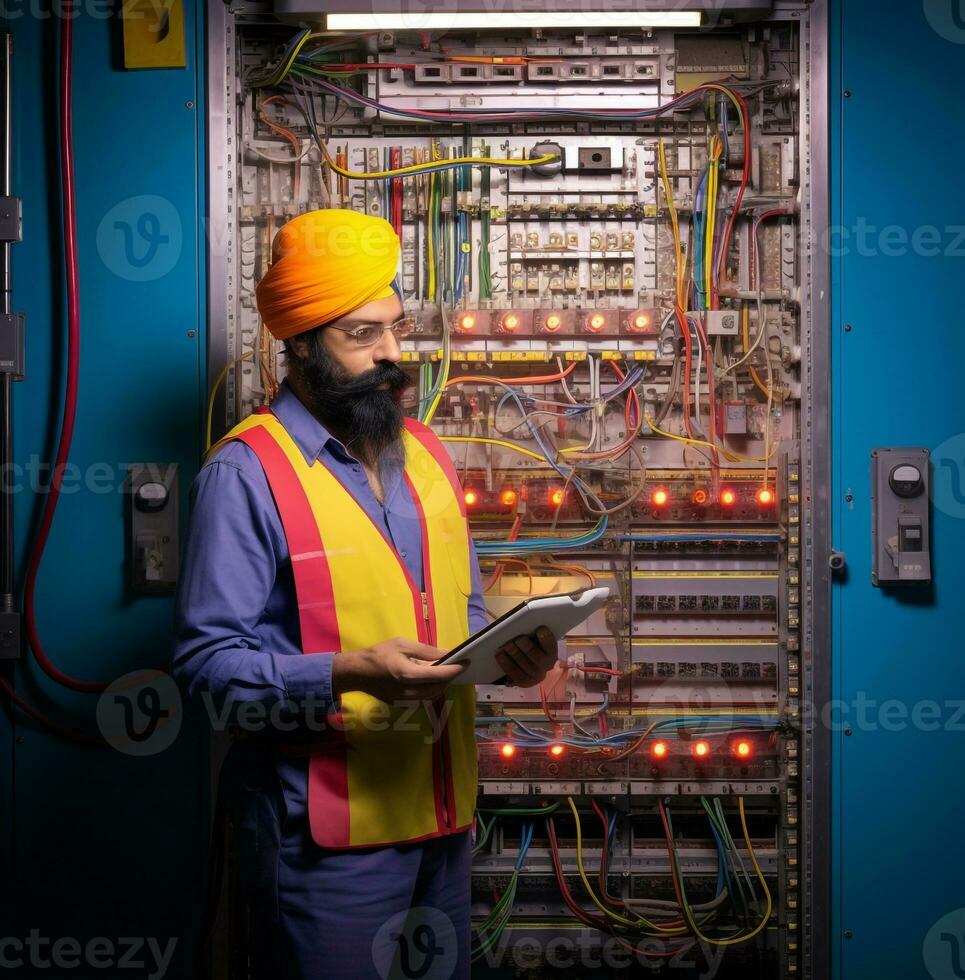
(700, 749)
(507, 750)
(508, 497)
(471, 497)
(699, 497)
(659, 750)
(553, 323)
(660, 498)
(556, 750)
(640, 321)
(743, 749)
(511, 323)
(765, 497)
(727, 498)
(556, 497)
(596, 322)
(467, 323)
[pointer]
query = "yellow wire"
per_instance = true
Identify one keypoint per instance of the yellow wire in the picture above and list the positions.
(672, 208)
(757, 869)
(668, 931)
(214, 391)
(444, 368)
(430, 240)
(279, 74)
(712, 177)
(447, 162)
(495, 442)
(733, 457)
(734, 940)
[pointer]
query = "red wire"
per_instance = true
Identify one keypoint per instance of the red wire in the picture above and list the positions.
(603, 866)
(73, 363)
(513, 534)
(591, 920)
(729, 227)
(37, 715)
(631, 408)
(684, 328)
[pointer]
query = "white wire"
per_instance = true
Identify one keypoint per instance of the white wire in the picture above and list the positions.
(292, 159)
(762, 324)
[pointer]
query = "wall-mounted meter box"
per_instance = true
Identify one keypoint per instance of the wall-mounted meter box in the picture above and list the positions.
(899, 523)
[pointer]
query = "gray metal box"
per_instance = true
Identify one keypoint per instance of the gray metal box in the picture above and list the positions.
(901, 552)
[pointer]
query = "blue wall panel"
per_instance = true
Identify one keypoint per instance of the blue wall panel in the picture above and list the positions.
(899, 672)
(105, 844)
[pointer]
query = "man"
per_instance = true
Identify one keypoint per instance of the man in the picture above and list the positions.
(328, 565)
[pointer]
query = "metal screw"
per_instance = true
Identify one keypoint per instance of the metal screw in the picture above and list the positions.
(849, 498)
(191, 333)
(848, 731)
(847, 328)
(847, 93)
(189, 105)
(848, 934)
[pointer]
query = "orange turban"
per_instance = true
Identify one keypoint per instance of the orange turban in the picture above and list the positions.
(326, 264)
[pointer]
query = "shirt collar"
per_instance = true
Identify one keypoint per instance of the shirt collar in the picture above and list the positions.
(309, 434)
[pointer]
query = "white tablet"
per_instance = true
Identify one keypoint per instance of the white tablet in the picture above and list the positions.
(558, 612)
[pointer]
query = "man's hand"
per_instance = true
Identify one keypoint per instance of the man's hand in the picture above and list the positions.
(528, 659)
(396, 670)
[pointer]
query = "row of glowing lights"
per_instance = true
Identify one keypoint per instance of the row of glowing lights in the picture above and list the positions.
(595, 322)
(741, 748)
(659, 497)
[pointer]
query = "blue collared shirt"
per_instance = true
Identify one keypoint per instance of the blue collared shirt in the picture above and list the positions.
(237, 636)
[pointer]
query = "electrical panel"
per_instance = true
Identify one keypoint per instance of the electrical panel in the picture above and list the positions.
(611, 319)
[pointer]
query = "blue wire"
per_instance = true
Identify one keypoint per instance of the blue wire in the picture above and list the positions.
(723, 872)
(699, 235)
(724, 103)
(524, 842)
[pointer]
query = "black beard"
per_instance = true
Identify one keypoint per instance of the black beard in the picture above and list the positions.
(370, 419)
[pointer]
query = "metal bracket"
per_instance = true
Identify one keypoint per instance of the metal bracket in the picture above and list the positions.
(12, 344)
(11, 219)
(9, 635)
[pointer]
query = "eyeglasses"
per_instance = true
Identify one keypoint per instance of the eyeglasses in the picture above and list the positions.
(371, 333)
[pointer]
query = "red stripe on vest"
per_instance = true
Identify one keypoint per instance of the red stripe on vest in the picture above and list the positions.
(430, 442)
(328, 810)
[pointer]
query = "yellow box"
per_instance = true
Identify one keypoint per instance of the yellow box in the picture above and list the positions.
(153, 34)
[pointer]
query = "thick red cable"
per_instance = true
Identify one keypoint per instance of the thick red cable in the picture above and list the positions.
(73, 362)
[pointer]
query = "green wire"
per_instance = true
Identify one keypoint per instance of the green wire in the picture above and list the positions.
(487, 829)
(738, 862)
(522, 811)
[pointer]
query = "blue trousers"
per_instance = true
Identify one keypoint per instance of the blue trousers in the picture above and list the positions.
(385, 913)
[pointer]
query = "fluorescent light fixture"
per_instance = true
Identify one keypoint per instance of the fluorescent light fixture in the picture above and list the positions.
(424, 20)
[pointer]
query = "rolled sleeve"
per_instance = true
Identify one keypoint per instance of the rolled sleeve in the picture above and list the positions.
(478, 616)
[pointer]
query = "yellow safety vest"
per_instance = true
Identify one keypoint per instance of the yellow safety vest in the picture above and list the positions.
(385, 774)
